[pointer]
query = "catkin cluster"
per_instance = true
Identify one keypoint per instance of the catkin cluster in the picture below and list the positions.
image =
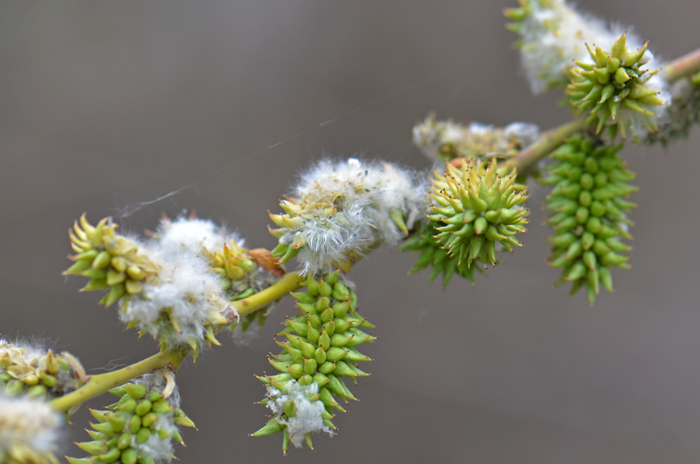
(589, 213)
(340, 211)
(318, 352)
(36, 372)
(476, 213)
(447, 140)
(140, 427)
(616, 89)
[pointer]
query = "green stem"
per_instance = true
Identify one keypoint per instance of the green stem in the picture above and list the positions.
(99, 384)
(684, 66)
(282, 287)
(548, 142)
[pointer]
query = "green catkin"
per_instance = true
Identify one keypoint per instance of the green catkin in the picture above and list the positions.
(614, 82)
(319, 348)
(111, 261)
(589, 213)
(477, 212)
(129, 423)
(45, 376)
(431, 254)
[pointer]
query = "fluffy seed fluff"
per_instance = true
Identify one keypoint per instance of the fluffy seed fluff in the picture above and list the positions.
(308, 417)
(446, 140)
(194, 234)
(341, 210)
(185, 295)
(29, 430)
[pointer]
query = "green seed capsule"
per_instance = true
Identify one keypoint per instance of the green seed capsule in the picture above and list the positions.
(297, 370)
(144, 421)
(48, 380)
(36, 391)
(587, 182)
(110, 456)
(290, 408)
(585, 198)
(322, 304)
(161, 406)
(129, 456)
(118, 421)
(93, 447)
(324, 289)
(124, 441)
(127, 406)
(142, 436)
(137, 391)
(143, 407)
(324, 340)
(340, 309)
(310, 366)
(135, 423)
(320, 355)
(582, 215)
(327, 367)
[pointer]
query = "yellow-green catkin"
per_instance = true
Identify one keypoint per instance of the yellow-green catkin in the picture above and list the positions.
(431, 254)
(38, 373)
(478, 211)
(139, 428)
(112, 262)
(318, 352)
(243, 274)
(614, 82)
(589, 213)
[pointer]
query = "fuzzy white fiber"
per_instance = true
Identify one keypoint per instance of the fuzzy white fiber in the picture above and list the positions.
(553, 36)
(28, 423)
(308, 417)
(346, 210)
(194, 234)
(185, 286)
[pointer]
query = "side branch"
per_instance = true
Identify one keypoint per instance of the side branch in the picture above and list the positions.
(99, 384)
(288, 283)
(548, 142)
(684, 66)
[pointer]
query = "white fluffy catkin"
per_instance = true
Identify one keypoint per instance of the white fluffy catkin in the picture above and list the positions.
(185, 285)
(345, 210)
(28, 426)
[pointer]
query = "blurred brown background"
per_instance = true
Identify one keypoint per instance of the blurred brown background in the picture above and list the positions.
(107, 104)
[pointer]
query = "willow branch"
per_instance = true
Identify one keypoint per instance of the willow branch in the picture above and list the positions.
(99, 384)
(685, 66)
(282, 287)
(548, 142)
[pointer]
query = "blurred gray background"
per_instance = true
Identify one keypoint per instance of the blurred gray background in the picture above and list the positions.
(108, 104)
